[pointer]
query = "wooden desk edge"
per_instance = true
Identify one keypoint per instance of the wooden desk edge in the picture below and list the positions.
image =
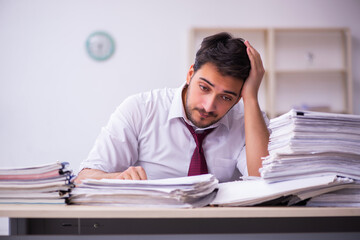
(65, 211)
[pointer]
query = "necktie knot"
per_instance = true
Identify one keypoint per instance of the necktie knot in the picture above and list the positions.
(198, 163)
(198, 137)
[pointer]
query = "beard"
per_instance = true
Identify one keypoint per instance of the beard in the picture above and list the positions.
(201, 123)
(190, 112)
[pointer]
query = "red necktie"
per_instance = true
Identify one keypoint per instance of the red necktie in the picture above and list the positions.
(198, 163)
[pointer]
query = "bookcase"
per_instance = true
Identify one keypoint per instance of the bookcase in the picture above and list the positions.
(306, 68)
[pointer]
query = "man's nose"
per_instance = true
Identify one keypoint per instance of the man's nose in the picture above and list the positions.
(210, 103)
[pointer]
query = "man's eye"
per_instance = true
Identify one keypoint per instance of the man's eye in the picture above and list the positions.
(226, 98)
(203, 88)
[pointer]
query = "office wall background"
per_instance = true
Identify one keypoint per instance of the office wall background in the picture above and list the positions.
(54, 99)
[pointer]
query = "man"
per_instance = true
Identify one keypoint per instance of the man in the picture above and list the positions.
(152, 135)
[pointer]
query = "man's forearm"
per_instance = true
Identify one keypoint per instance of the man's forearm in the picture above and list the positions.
(88, 173)
(132, 173)
(256, 136)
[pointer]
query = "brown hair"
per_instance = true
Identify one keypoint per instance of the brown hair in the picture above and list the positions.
(227, 53)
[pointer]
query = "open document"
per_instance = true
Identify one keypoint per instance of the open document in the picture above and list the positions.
(259, 191)
(184, 192)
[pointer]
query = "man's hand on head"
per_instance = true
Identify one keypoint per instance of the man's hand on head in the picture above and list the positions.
(252, 83)
(256, 132)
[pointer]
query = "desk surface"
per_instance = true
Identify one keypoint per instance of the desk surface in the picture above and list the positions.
(72, 211)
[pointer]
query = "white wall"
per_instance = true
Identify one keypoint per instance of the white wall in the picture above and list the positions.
(54, 98)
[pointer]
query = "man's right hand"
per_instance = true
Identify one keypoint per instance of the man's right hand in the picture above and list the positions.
(132, 173)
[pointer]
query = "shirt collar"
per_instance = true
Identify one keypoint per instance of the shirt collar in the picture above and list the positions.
(177, 110)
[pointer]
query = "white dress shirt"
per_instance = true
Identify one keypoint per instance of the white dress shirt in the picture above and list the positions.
(147, 130)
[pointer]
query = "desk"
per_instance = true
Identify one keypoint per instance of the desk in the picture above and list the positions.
(89, 220)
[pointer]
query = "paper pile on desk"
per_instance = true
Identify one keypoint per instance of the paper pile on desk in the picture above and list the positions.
(259, 191)
(304, 143)
(312, 156)
(307, 144)
(49, 183)
(346, 197)
(185, 192)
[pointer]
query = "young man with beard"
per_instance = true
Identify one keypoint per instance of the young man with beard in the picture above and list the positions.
(201, 127)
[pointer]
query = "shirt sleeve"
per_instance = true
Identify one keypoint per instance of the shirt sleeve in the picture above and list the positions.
(242, 164)
(116, 147)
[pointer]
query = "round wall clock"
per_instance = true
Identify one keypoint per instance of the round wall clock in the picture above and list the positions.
(100, 46)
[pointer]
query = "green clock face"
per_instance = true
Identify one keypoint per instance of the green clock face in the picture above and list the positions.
(100, 46)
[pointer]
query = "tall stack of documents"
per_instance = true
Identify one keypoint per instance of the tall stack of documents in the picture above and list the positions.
(312, 156)
(306, 144)
(49, 183)
(185, 192)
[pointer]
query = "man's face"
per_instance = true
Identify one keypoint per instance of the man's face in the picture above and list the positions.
(209, 95)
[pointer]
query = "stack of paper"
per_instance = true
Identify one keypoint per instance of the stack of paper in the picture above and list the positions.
(304, 143)
(186, 192)
(48, 183)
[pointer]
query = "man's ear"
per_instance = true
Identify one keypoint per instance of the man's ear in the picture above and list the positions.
(190, 74)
